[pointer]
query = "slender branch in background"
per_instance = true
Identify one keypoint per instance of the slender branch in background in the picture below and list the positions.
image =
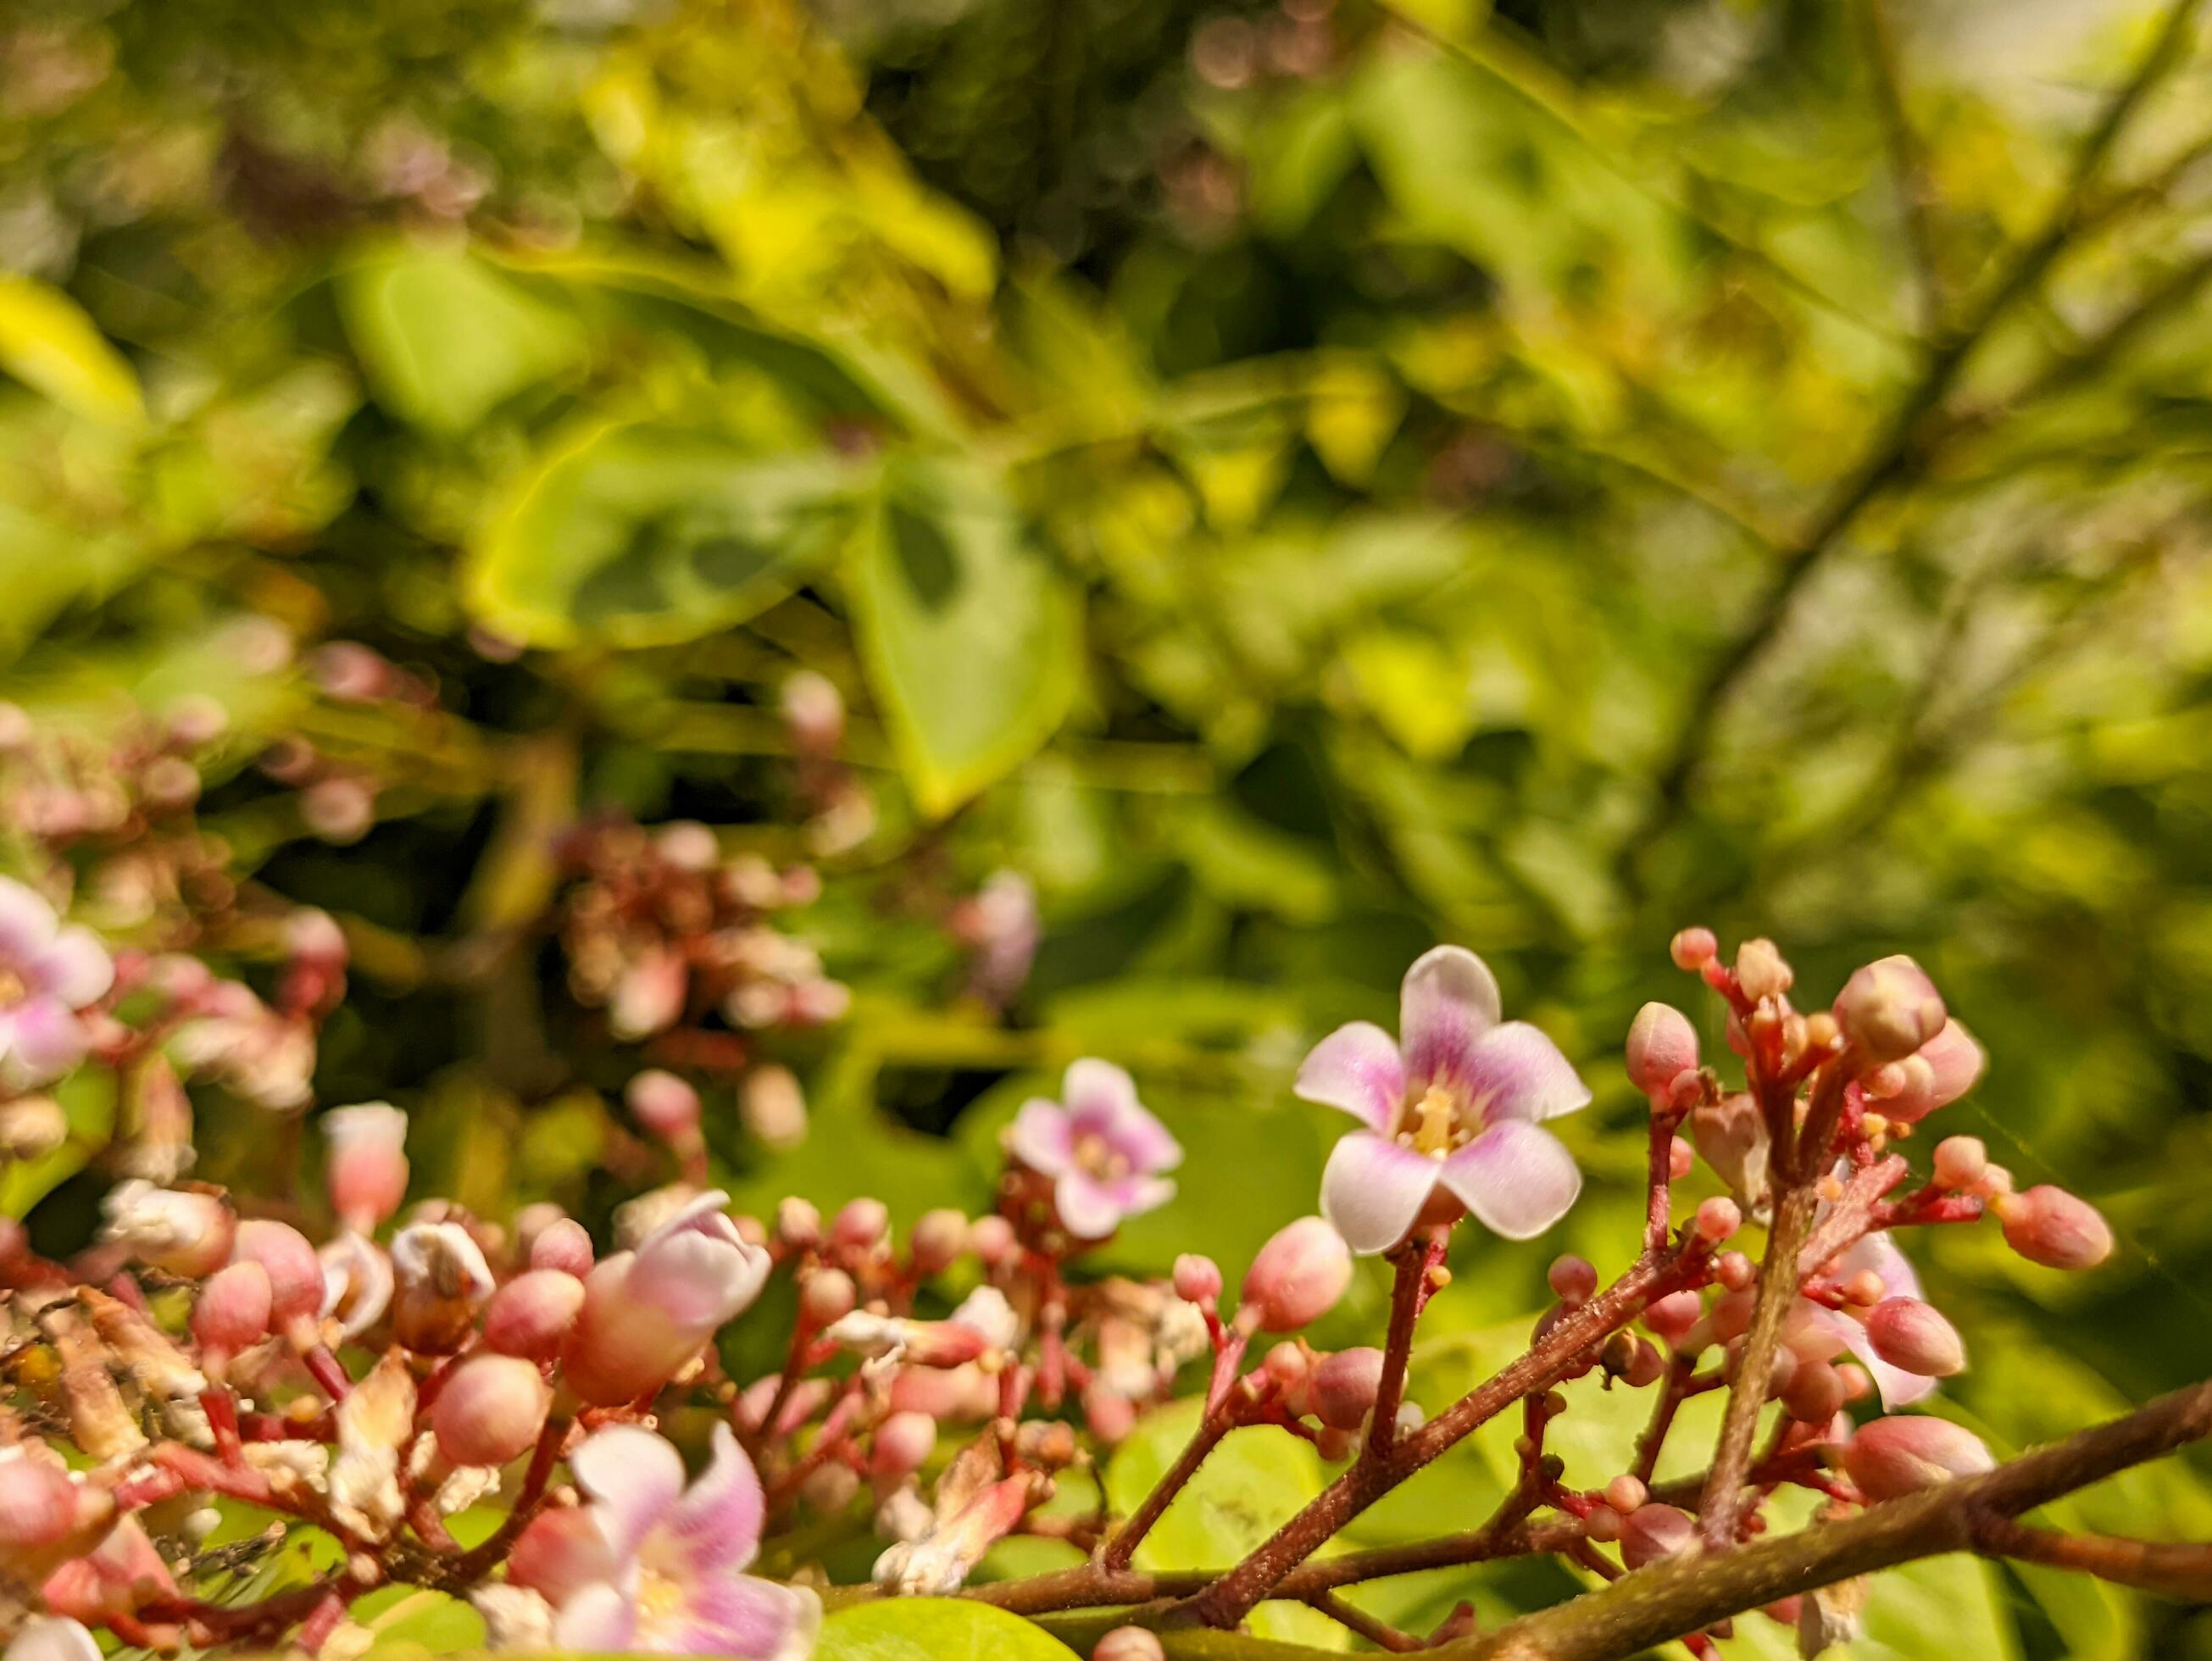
(2168, 1568)
(1898, 454)
(1908, 169)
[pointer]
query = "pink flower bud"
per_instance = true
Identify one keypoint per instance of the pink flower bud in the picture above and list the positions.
(530, 1315)
(939, 1239)
(490, 1410)
(826, 1294)
(1908, 1335)
(665, 1106)
(1344, 1386)
(1670, 1316)
(2049, 1226)
(993, 1240)
(560, 1552)
(365, 1170)
(1128, 1644)
(813, 712)
(773, 1106)
(861, 1225)
(1662, 1045)
(902, 1443)
(1814, 1394)
(1936, 1075)
(1735, 1271)
(1679, 1158)
(1960, 1161)
(1297, 1277)
(1645, 1364)
(37, 1504)
(1888, 1009)
(1651, 1532)
(1732, 1313)
(1718, 1219)
(1109, 1414)
(1761, 971)
(295, 1275)
(1572, 1280)
(798, 1224)
(1693, 948)
(1625, 1494)
(1893, 1457)
(1197, 1279)
(565, 1244)
(647, 1313)
(231, 1313)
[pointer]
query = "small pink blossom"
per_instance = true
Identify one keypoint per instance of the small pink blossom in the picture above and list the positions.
(1878, 1254)
(1457, 1099)
(365, 1169)
(648, 1313)
(47, 973)
(652, 1566)
(1103, 1151)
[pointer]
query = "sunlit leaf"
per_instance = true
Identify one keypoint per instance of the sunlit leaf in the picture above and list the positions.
(46, 342)
(933, 1629)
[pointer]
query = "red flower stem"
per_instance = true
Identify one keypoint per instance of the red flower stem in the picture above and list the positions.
(1673, 1390)
(1659, 1202)
(222, 1410)
(327, 1373)
(1412, 1261)
(1210, 1429)
(1230, 1599)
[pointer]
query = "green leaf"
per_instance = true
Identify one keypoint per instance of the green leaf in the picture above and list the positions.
(1254, 1482)
(933, 1629)
(48, 342)
(969, 636)
(444, 339)
(641, 535)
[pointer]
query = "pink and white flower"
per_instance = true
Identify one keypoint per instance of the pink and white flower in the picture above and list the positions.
(651, 1566)
(1104, 1153)
(47, 973)
(1457, 1099)
(1877, 1254)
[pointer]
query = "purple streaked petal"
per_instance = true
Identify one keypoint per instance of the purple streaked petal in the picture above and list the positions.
(1516, 1071)
(742, 1615)
(41, 1040)
(1358, 1069)
(716, 1525)
(77, 968)
(1143, 1140)
(1517, 1179)
(1374, 1189)
(633, 1477)
(599, 1618)
(1097, 1089)
(1089, 1208)
(1137, 1195)
(1449, 1000)
(1042, 1136)
(26, 924)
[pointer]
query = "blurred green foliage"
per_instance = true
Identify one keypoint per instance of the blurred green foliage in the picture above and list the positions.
(1297, 481)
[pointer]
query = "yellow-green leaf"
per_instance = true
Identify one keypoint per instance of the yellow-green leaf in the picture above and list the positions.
(48, 342)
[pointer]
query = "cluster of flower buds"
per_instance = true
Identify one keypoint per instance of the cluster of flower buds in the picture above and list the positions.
(840, 812)
(676, 941)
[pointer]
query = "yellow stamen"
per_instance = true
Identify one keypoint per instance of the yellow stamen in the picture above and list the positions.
(1433, 1123)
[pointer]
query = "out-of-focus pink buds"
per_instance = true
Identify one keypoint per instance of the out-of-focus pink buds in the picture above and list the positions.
(530, 1315)
(1716, 1220)
(993, 1240)
(295, 1276)
(559, 1551)
(490, 1411)
(1735, 1269)
(902, 1443)
(177, 1231)
(1761, 970)
(1936, 1075)
(564, 1246)
(1893, 1457)
(665, 1106)
(649, 995)
(1910, 1334)
(1670, 1316)
(231, 1314)
(861, 1225)
(772, 1107)
(439, 1281)
(826, 1295)
(939, 1239)
(1197, 1279)
(1693, 948)
(1573, 1279)
(365, 1165)
(1662, 1046)
(1960, 1161)
(37, 1504)
(1814, 1394)
(1888, 1009)
(1295, 1279)
(1128, 1644)
(813, 713)
(2049, 1226)
(1345, 1385)
(1651, 1532)
(798, 1224)
(647, 1313)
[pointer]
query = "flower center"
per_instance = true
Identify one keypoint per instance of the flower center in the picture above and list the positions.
(1100, 1157)
(660, 1597)
(12, 987)
(1438, 1124)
